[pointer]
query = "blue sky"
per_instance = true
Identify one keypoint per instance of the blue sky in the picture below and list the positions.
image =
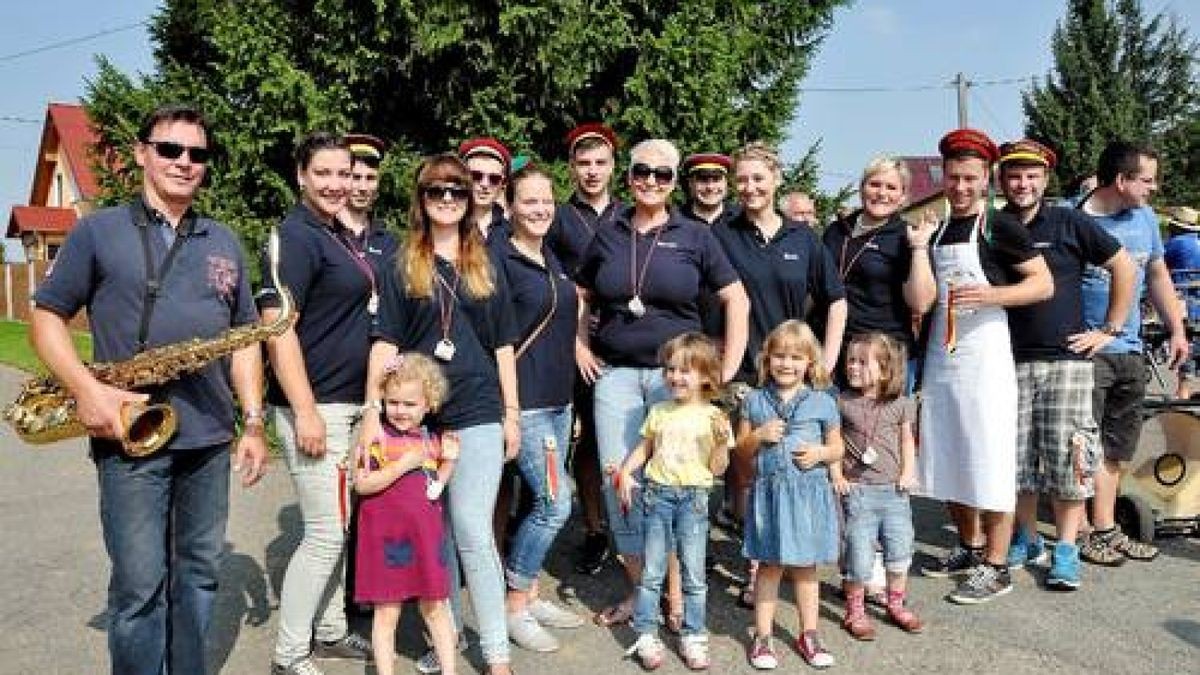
(894, 44)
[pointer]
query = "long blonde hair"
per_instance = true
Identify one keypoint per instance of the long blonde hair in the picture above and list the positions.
(794, 336)
(416, 258)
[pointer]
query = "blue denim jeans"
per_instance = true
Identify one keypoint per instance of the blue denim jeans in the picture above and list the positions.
(471, 500)
(877, 513)
(550, 511)
(676, 520)
(164, 528)
(311, 599)
(623, 397)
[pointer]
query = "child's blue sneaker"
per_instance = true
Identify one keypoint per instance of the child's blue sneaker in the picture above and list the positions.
(1025, 550)
(1064, 570)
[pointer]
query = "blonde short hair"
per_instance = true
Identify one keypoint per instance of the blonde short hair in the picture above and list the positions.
(416, 367)
(695, 351)
(795, 336)
(758, 151)
(887, 163)
(655, 146)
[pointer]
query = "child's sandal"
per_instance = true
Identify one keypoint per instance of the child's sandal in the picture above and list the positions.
(904, 618)
(616, 615)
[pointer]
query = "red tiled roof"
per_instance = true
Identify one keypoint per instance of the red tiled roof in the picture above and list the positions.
(40, 219)
(926, 175)
(76, 138)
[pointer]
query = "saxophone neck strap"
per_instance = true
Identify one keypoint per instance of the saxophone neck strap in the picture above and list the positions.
(145, 219)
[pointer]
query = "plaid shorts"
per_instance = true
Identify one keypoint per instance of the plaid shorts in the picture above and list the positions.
(1058, 444)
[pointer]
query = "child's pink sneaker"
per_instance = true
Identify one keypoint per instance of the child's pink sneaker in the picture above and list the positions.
(814, 653)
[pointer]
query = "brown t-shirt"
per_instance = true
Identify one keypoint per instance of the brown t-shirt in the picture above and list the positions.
(871, 423)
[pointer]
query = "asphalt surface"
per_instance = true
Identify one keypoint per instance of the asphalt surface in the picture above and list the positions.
(1139, 618)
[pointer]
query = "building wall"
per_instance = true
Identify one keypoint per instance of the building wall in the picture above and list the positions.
(18, 282)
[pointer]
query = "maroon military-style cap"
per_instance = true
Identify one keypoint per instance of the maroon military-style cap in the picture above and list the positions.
(968, 141)
(707, 161)
(488, 147)
(1027, 151)
(591, 130)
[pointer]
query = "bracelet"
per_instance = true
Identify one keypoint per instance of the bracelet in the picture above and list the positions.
(253, 417)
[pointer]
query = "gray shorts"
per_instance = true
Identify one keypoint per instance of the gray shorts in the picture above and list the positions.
(1117, 403)
(1057, 438)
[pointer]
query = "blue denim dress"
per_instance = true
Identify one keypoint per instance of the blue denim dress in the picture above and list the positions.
(792, 516)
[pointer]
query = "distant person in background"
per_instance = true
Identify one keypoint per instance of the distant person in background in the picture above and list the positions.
(488, 162)
(799, 207)
(1182, 255)
(367, 153)
(1128, 176)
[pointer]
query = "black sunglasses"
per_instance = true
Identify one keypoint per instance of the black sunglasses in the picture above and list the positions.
(706, 176)
(662, 174)
(488, 179)
(457, 193)
(173, 150)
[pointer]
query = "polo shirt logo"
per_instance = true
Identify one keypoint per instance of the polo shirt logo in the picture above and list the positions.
(791, 256)
(374, 250)
(222, 275)
(668, 244)
(1042, 244)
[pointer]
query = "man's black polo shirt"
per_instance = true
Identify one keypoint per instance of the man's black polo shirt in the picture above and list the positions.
(205, 291)
(873, 268)
(1069, 240)
(330, 279)
(686, 260)
(545, 370)
(779, 276)
(575, 223)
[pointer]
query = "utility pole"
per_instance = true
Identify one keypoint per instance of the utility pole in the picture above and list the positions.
(961, 84)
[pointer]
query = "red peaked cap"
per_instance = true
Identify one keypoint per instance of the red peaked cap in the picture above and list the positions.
(707, 161)
(1027, 151)
(591, 130)
(970, 141)
(485, 146)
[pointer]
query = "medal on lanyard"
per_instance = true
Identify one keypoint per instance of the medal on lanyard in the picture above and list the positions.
(373, 304)
(636, 278)
(444, 349)
(359, 257)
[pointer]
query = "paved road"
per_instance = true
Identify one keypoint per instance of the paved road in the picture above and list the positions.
(1135, 619)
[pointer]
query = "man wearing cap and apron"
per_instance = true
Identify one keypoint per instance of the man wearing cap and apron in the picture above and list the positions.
(983, 261)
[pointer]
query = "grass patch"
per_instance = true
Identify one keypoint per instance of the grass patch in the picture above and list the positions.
(15, 350)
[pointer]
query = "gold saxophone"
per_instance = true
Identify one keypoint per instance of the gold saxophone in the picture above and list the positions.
(45, 411)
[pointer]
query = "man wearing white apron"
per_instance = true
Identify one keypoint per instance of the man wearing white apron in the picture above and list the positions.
(984, 262)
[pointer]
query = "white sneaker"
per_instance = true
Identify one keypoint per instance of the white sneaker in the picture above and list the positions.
(527, 633)
(649, 650)
(694, 650)
(551, 615)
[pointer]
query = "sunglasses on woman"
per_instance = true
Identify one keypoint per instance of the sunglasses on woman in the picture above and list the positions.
(662, 174)
(173, 150)
(455, 193)
(488, 179)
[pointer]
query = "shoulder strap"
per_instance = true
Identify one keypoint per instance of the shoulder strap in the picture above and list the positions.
(154, 276)
(541, 326)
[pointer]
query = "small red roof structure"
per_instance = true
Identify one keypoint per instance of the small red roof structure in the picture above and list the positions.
(64, 184)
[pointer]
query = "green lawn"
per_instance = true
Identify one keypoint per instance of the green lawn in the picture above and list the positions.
(15, 349)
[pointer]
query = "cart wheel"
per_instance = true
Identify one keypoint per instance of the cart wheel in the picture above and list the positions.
(1135, 517)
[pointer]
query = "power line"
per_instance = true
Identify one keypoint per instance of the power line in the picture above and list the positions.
(1002, 82)
(70, 41)
(19, 120)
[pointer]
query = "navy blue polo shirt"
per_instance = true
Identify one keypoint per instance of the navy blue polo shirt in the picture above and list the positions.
(712, 312)
(205, 291)
(478, 327)
(575, 223)
(686, 260)
(329, 274)
(873, 269)
(1069, 240)
(780, 275)
(544, 369)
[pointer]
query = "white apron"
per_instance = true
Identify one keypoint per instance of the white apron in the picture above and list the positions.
(968, 450)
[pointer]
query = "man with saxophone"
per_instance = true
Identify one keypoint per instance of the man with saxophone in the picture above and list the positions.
(154, 273)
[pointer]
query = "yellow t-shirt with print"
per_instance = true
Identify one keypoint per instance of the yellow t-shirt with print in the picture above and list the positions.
(684, 437)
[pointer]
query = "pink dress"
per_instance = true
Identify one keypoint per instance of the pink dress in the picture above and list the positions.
(401, 552)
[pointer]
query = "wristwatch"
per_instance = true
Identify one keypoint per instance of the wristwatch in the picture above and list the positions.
(1112, 329)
